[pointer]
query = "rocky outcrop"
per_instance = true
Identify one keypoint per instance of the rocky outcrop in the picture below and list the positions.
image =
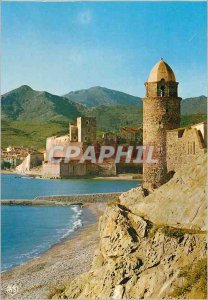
(147, 239)
(179, 203)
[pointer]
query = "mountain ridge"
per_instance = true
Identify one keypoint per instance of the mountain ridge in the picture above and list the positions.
(98, 95)
(25, 103)
(25, 111)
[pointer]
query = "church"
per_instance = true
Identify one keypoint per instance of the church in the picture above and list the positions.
(174, 147)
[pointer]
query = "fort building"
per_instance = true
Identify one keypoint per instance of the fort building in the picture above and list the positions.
(130, 135)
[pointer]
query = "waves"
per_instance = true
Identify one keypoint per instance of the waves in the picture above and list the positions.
(75, 222)
(34, 230)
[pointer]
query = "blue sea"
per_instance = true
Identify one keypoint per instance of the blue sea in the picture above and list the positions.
(29, 231)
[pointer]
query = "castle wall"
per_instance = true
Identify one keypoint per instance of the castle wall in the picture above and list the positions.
(56, 141)
(76, 169)
(86, 129)
(73, 133)
(72, 169)
(51, 170)
(183, 146)
(132, 168)
(107, 168)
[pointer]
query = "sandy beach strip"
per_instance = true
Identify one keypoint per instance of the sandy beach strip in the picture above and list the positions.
(38, 277)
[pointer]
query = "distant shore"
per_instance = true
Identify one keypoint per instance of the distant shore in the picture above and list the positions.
(7, 172)
(41, 276)
(134, 177)
(125, 177)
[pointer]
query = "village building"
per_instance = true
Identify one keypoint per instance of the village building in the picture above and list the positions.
(185, 145)
(11, 161)
(13, 156)
(109, 138)
(130, 135)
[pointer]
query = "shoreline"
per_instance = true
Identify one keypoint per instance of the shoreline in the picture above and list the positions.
(120, 177)
(63, 261)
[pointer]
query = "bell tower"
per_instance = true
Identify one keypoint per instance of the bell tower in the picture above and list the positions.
(161, 112)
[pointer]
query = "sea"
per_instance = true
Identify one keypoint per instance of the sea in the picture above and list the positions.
(29, 231)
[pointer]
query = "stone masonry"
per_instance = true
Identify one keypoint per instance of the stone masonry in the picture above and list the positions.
(161, 112)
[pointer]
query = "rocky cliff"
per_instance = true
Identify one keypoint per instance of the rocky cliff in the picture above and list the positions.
(152, 244)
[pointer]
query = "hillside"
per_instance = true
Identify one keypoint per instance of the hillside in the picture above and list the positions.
(196, 105)
(24, 103)
(30, 116)
(111, 118)
(152, 244)
(96, 96)
(30, 134)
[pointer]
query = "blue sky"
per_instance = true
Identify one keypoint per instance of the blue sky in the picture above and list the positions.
(59, 47)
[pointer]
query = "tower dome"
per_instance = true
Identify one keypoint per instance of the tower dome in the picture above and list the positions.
(161, 71)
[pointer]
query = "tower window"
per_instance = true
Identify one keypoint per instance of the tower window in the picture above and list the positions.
(162, 91)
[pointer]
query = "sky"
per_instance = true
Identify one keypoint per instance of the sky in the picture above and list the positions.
(67, 46)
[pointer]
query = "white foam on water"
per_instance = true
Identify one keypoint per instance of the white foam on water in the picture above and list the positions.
(75, 222)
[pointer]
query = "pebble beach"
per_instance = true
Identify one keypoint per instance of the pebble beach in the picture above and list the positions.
(40, 277)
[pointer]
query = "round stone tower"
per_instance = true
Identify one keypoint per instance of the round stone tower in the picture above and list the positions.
(161, 112)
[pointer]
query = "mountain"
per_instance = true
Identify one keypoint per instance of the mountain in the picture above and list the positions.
(24, 103)
(112, 118)
(30, 116)
(196, 105)
(96, 96)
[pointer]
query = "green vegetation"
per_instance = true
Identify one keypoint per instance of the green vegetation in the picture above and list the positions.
(34, 134)
(173, 232)
(6, 165)
(97, 95)
(25, 104)
(187, 120)
(196, 105)
(30, 134)
(30, 116)
(111, 118)
(194, 281)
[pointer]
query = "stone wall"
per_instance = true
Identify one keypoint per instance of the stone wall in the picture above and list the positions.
(50, 170)
(76, 169)
(53, 141)
(184, 146)
(73, 133)
(31, 161)
(107, 168)
(86, 129)
(123, 168)
(82, 198)
(159, 114)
